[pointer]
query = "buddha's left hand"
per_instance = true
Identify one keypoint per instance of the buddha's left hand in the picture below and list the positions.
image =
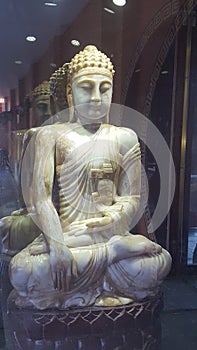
(93, 222)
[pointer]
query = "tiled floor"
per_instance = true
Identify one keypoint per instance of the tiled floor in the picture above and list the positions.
(179, 317)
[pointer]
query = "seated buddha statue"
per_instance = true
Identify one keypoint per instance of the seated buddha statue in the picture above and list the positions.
(85, 254)
(41, 111)
(18, 229)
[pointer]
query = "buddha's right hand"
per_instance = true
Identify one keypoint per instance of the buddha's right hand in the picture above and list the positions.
(63, 266)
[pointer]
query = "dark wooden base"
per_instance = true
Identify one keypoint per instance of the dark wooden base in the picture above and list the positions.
(132, 327)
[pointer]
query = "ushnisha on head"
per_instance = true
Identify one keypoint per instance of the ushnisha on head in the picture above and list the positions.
(41, 89)
(89, 91)
(90, 61)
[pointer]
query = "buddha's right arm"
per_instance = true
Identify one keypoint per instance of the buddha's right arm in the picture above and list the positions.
(43, 175)
(63, 266)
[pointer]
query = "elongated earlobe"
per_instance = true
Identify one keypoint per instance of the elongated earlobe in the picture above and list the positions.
(70, 101)
(69, 95)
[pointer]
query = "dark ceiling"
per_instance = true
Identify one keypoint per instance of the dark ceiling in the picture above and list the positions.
(20, 18)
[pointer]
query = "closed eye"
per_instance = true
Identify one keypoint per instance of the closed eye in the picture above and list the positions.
(105, 87)
(85, 86)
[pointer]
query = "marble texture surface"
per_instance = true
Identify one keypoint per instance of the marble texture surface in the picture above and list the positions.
(85, 254)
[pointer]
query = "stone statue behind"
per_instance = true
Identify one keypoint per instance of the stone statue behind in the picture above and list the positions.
(18, 229)
(41, 103)
(85, 254)
(59, 104)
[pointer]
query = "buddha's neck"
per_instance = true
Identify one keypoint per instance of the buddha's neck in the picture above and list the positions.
(92, 128)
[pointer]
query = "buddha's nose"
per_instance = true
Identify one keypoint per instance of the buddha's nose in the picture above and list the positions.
(96, 95)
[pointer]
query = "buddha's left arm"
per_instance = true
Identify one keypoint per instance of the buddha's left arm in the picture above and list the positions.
(126, 202)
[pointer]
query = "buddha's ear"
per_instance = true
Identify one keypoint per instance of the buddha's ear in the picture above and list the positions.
(69, 95)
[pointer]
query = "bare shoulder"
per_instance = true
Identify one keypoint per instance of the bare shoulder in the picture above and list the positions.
(127, 139)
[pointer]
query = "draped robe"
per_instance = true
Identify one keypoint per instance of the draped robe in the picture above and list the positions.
(94, 179)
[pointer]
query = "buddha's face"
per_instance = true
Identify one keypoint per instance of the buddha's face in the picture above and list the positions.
(60, 98)
(42, 109)
(91, 97)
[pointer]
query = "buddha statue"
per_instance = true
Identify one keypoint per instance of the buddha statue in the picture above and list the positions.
(58, 82)
(85, 254)
(18, 229)
(41, 103)
(41, 111)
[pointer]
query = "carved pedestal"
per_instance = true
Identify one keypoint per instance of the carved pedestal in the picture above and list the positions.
(132, 327)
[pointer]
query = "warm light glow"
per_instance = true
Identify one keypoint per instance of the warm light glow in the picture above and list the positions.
(50, 4)
(119, 2)
(2, 100)
(75, 42)
(109, 10)
(31, 38)
(18, 62)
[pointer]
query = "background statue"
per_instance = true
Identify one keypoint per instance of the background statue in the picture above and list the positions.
(58, 82)
(18, 229)
(41, 108)
(85, 254)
